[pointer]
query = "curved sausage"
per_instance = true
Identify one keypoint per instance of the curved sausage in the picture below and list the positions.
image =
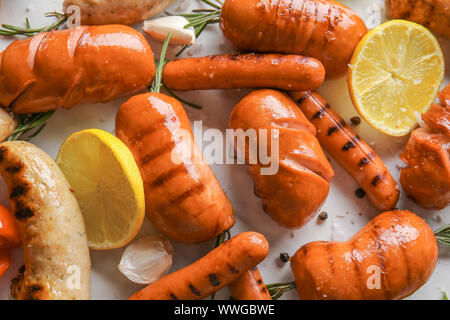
(433, 14)
(284, 72)
(250, 286)
(357, 158)
(426, 179)
(183, 198)
(51, 226)
(390, 258)
(294, 194)
(126, 12)
(322, 29)
(217, 269)
(64, 68)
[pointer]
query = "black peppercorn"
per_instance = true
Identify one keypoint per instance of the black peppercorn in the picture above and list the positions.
(284, 257)
(323, 216)
(360, 193)
(356, 121)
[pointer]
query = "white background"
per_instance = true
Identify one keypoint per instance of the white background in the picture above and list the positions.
(342, 206)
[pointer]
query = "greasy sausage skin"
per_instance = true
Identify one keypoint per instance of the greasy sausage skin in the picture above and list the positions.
(433, 14)
(64, 68)
(250, 286)
(322, 29)
(183, 198)
(217, 269)
(296, 191)
(390, 258)
(128, 12)
(284, 72)
(357, 158)
(51, 226)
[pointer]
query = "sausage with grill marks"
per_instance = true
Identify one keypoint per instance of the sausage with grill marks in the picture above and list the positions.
(323, 29)
(284, 72)
(217, 269)
(183, 198)
(250, 286)
(357, 158)
(433, 14)
(390, 258)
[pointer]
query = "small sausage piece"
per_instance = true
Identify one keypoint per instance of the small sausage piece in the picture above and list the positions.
(126, 12)
(7, 125)
(433, 14)
(357, 158)
(295, 192)
(284, 72)
(323, 29)
(250, 286)
(51, 226)
(183, 198)
(64, 68)
(217, 269)
(390, 258)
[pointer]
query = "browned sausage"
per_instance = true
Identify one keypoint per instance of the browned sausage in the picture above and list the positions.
(295, 193)
(323, 29)
(217, 269)
(390, 258)
(64, 68)
(433, 14)
(183, 198)
(250, 286)
(357, 158)
(284, 72)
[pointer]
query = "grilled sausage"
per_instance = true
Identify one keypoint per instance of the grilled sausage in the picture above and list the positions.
(51, 226)
(64, 68)
(250, 286)
(183, 198)
(284, 72)
(293, 195)
(7, 125)
(433, 14)
(390, 258)
(426, 179)
(217, 269)
(126, 12)
(322, 29)
(357, 158)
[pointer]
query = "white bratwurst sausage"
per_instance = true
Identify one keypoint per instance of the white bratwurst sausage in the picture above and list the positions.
(51, 226)
(128, 12)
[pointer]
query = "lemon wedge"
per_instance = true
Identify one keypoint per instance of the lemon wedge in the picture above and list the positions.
(394, 74)
(107, 184)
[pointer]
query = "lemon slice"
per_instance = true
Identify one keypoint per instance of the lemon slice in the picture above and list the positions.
(107, 184)
(395, 73)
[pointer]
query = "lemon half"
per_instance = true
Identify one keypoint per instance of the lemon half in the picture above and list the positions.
(395, 72)
(107, 184)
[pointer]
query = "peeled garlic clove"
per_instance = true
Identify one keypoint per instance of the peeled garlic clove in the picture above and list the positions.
(147, 259)
(160, 28)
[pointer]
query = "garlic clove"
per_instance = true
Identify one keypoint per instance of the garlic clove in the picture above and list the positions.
(147, 259)
(159, 29)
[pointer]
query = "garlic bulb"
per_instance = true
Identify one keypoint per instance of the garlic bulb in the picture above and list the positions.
(160, 28)
(147, 259)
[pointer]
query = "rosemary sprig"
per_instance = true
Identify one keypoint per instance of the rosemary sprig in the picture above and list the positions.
(443, 235)
(276, 290)
(9, 30)
(171, 93)
(200, 18)
(444, 295)
(28, 122)
(156, 86)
